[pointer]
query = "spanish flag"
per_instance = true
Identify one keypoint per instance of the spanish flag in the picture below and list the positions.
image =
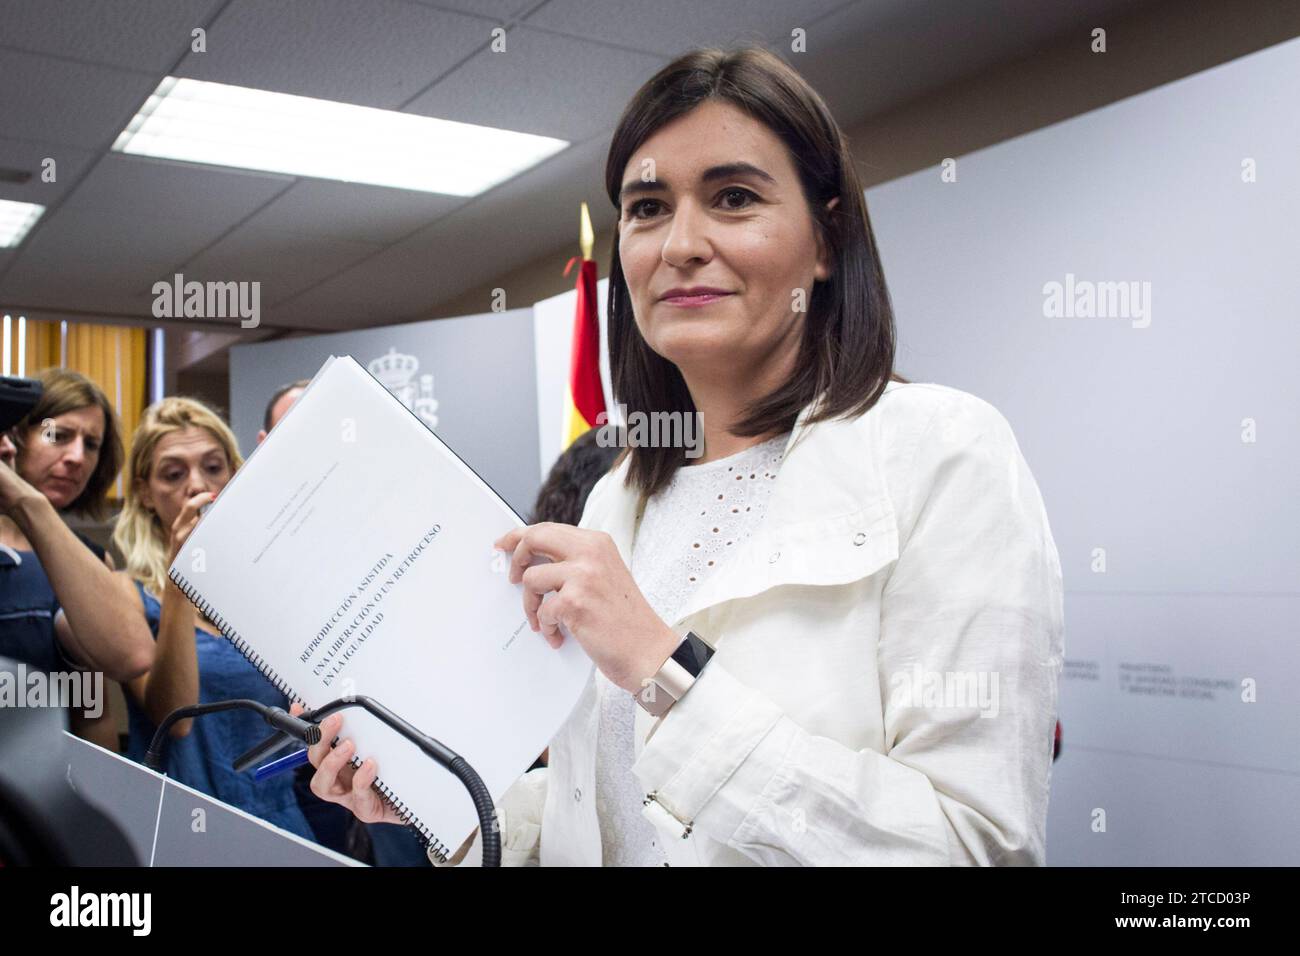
(586, 397)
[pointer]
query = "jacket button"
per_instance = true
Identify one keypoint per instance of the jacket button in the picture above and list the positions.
(860, 538)
(771, 558)
(577, 794)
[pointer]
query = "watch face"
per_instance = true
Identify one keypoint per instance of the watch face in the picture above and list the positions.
(693, 654)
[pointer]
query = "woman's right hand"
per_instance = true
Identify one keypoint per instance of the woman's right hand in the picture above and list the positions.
(338, 782)
(185, 522)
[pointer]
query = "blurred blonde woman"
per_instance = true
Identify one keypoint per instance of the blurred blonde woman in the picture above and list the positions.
(182, 455)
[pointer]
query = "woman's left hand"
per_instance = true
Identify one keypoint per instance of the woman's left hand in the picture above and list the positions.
(596, 599)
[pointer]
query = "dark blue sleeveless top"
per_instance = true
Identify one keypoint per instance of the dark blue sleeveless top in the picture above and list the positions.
(203, 758)
(27, 609)
(28, 606)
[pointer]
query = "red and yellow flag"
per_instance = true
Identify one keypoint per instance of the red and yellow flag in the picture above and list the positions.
(586, 396)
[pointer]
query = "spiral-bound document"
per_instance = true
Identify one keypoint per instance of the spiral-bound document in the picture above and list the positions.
(352, 555)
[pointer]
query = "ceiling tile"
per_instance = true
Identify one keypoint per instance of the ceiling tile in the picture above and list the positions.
(352, 211)
(492, 9)
(541, 83)
(147, 35)
(57, 101)
(379, 53)
(313, 231)
(69, 164)
(129, 222)
(281, 267)
(669, 27)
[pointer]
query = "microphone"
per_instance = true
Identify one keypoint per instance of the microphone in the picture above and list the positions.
(277, 717)
(296, 727)
(432, 748)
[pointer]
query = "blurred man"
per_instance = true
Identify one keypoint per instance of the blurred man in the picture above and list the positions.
(279, 404)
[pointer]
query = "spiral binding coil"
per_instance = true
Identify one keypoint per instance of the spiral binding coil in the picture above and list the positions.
(408, 818)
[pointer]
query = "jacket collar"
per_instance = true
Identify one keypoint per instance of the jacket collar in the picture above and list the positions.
(829, 520)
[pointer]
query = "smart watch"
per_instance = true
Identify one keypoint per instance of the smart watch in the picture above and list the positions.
(671, 682)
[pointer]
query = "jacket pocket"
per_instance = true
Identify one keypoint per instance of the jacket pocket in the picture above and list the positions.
(830, 551)
(824, 551)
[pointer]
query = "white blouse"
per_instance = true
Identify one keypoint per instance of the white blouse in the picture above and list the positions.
(684, 534)
(906, 544)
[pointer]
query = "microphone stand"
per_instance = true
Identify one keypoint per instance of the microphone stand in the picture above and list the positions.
(307, 724)
(283, 722)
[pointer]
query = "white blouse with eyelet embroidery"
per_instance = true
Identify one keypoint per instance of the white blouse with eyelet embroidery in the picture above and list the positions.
(684, 534)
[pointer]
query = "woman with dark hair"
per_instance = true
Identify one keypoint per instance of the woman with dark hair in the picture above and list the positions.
(61, 607)
(69, 448)
(70, 445)
(835, 637)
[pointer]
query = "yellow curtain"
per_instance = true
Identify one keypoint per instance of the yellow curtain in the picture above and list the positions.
(114, 357)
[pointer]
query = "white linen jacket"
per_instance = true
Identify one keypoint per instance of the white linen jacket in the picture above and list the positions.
(884, 688)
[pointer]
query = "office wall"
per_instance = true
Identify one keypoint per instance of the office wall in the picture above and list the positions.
(1162, 436)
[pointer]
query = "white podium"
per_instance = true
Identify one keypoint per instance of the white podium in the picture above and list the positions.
(170, 824)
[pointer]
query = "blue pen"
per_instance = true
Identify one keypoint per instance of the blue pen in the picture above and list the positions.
(295, 759)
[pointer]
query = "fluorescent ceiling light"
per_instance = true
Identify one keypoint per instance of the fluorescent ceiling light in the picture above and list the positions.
(16, 220)
(200, 122)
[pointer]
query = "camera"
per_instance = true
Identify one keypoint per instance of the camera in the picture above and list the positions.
(18, 396)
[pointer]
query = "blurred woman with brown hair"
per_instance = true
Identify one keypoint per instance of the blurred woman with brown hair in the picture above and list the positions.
(64, 608)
